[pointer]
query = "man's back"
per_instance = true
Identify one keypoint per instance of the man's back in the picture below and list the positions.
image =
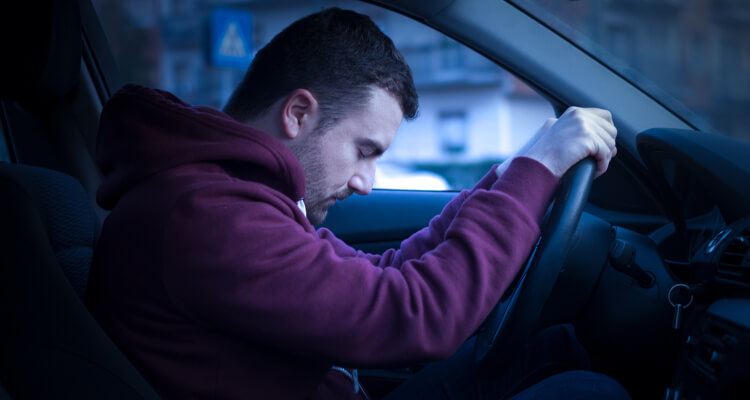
(129, 289)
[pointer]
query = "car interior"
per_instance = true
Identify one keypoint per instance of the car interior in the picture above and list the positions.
(650, 262)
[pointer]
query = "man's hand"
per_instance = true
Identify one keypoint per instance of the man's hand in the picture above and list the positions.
(577, 134)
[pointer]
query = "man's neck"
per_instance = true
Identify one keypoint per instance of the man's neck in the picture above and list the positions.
(269, 122)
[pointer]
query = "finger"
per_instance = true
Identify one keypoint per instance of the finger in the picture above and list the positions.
(544, 128)
(598, 119)
(601, 166)
(549, 122)
(537, 136)
(601, 113)
(596, 115)
(590, 130)
(603, 154)
(586, 116)
(602, 133)
(570, 110)
(601, 170)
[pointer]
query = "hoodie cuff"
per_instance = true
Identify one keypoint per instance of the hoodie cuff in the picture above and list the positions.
(530, 183)
(488, 179)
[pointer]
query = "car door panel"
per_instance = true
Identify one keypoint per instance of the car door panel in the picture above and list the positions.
(384, 218)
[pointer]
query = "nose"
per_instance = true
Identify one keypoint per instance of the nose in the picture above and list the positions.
(362, 180)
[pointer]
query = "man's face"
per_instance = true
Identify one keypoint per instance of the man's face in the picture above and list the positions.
(341, 160)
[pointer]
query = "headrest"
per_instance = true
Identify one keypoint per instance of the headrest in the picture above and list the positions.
(41, 46)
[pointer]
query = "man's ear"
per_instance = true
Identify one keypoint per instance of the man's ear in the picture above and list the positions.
(300, 113)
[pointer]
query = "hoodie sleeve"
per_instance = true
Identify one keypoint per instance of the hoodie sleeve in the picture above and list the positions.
(245, 268)
(421, 241)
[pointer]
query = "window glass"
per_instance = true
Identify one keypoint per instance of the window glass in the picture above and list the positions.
(472, 113)
(692, 56)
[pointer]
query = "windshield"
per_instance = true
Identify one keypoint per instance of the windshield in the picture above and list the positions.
(691, 56)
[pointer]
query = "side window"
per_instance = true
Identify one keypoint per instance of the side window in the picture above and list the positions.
(472, 113)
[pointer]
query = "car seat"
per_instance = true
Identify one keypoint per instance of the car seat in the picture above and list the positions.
(50, 345)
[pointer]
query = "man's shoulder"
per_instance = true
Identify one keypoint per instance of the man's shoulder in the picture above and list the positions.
(222, 196)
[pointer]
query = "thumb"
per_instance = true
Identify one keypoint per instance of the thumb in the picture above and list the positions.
(548, 123)
(539, 133)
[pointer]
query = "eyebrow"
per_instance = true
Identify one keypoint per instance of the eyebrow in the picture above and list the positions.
(374, 148)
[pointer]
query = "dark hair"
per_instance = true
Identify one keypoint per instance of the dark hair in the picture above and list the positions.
(338, 55)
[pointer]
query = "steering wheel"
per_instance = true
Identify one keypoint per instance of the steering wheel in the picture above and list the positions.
(515, 318)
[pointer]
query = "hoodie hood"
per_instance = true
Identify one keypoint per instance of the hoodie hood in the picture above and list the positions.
(145, 131)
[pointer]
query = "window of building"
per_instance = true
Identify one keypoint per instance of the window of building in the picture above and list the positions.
(453, 131)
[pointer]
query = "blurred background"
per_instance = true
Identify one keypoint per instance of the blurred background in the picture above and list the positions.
(472, 113)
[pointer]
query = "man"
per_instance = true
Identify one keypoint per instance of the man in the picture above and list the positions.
(209, 273)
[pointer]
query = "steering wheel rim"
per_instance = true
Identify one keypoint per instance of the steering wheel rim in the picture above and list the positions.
(515, 318)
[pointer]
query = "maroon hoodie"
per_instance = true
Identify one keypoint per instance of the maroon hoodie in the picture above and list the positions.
(214, 283)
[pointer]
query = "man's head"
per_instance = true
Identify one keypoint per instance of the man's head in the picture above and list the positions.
(333, 88)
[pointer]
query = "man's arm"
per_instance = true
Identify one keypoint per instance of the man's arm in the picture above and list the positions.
(266, 278)
(421, 241)
(578, 133)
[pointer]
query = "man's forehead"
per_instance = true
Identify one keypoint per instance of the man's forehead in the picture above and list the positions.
(374, 125)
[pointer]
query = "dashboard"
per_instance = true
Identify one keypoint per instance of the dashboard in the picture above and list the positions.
(623, 287)
(716, 343)
(704, 183)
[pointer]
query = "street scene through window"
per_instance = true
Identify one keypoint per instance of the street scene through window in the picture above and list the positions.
(472, 113)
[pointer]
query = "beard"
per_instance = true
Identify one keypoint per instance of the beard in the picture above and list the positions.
(317, 198)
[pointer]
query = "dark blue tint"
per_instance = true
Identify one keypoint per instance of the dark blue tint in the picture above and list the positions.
(472, 113)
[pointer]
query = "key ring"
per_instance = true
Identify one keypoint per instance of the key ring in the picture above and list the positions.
(669, 295)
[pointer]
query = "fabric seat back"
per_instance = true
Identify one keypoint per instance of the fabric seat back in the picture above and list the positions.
(66, 214)
(50, 346)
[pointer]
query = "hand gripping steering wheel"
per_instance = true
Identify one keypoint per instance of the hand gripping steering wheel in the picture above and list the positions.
(515, 318)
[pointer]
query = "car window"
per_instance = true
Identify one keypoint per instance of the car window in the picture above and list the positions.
(472, 113)
(692, 56)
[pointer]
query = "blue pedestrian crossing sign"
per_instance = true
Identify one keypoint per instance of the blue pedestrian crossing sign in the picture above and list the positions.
(231, 43)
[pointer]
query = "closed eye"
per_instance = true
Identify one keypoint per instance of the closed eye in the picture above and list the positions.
(369, 148)
(363, 155)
